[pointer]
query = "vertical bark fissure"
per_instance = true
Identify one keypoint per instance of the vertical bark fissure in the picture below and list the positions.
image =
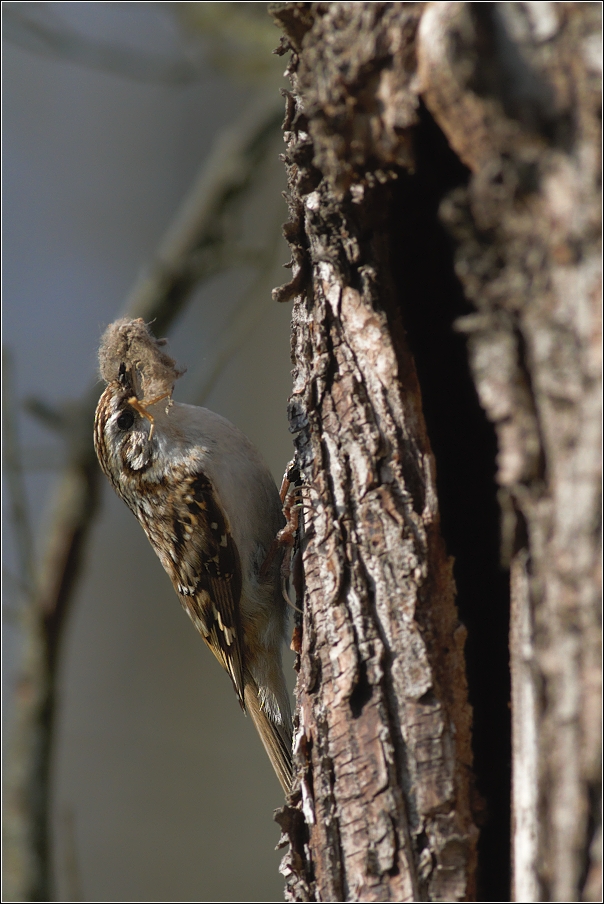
(464, 445)
(516, 89)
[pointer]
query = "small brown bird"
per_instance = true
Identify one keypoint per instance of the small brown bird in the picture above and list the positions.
(211, 511)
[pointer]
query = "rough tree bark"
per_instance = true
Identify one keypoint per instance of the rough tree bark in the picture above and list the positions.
(383, 735)
(384, 807)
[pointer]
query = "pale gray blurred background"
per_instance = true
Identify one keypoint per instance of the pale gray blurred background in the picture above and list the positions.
(162, 791)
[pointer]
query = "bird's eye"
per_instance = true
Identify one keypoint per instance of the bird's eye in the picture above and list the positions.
(125, 420)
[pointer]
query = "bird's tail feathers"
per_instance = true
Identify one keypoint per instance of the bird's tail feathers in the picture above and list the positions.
(276, 737)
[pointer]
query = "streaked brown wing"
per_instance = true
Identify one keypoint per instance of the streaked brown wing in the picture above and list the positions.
(206, 572)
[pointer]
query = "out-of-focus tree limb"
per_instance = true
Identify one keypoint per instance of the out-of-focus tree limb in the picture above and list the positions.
(13, 468)
(36, 27)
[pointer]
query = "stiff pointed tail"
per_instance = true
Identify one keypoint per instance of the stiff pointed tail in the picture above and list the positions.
(276, 738)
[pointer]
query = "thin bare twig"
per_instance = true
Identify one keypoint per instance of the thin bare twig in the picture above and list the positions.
(14, 477)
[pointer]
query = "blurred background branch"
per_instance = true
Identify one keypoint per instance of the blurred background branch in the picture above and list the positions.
(38, 28)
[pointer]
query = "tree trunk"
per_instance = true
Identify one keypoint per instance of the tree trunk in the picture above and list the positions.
(384, 807)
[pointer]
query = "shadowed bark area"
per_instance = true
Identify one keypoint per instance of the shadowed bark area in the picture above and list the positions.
(516, 90)
(383, 807)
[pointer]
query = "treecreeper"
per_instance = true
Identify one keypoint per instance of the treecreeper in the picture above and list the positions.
(210, 508)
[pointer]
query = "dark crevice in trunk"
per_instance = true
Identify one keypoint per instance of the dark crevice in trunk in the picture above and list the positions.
(465, 448)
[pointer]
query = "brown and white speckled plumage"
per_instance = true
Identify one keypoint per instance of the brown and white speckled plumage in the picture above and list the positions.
(211, 511)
